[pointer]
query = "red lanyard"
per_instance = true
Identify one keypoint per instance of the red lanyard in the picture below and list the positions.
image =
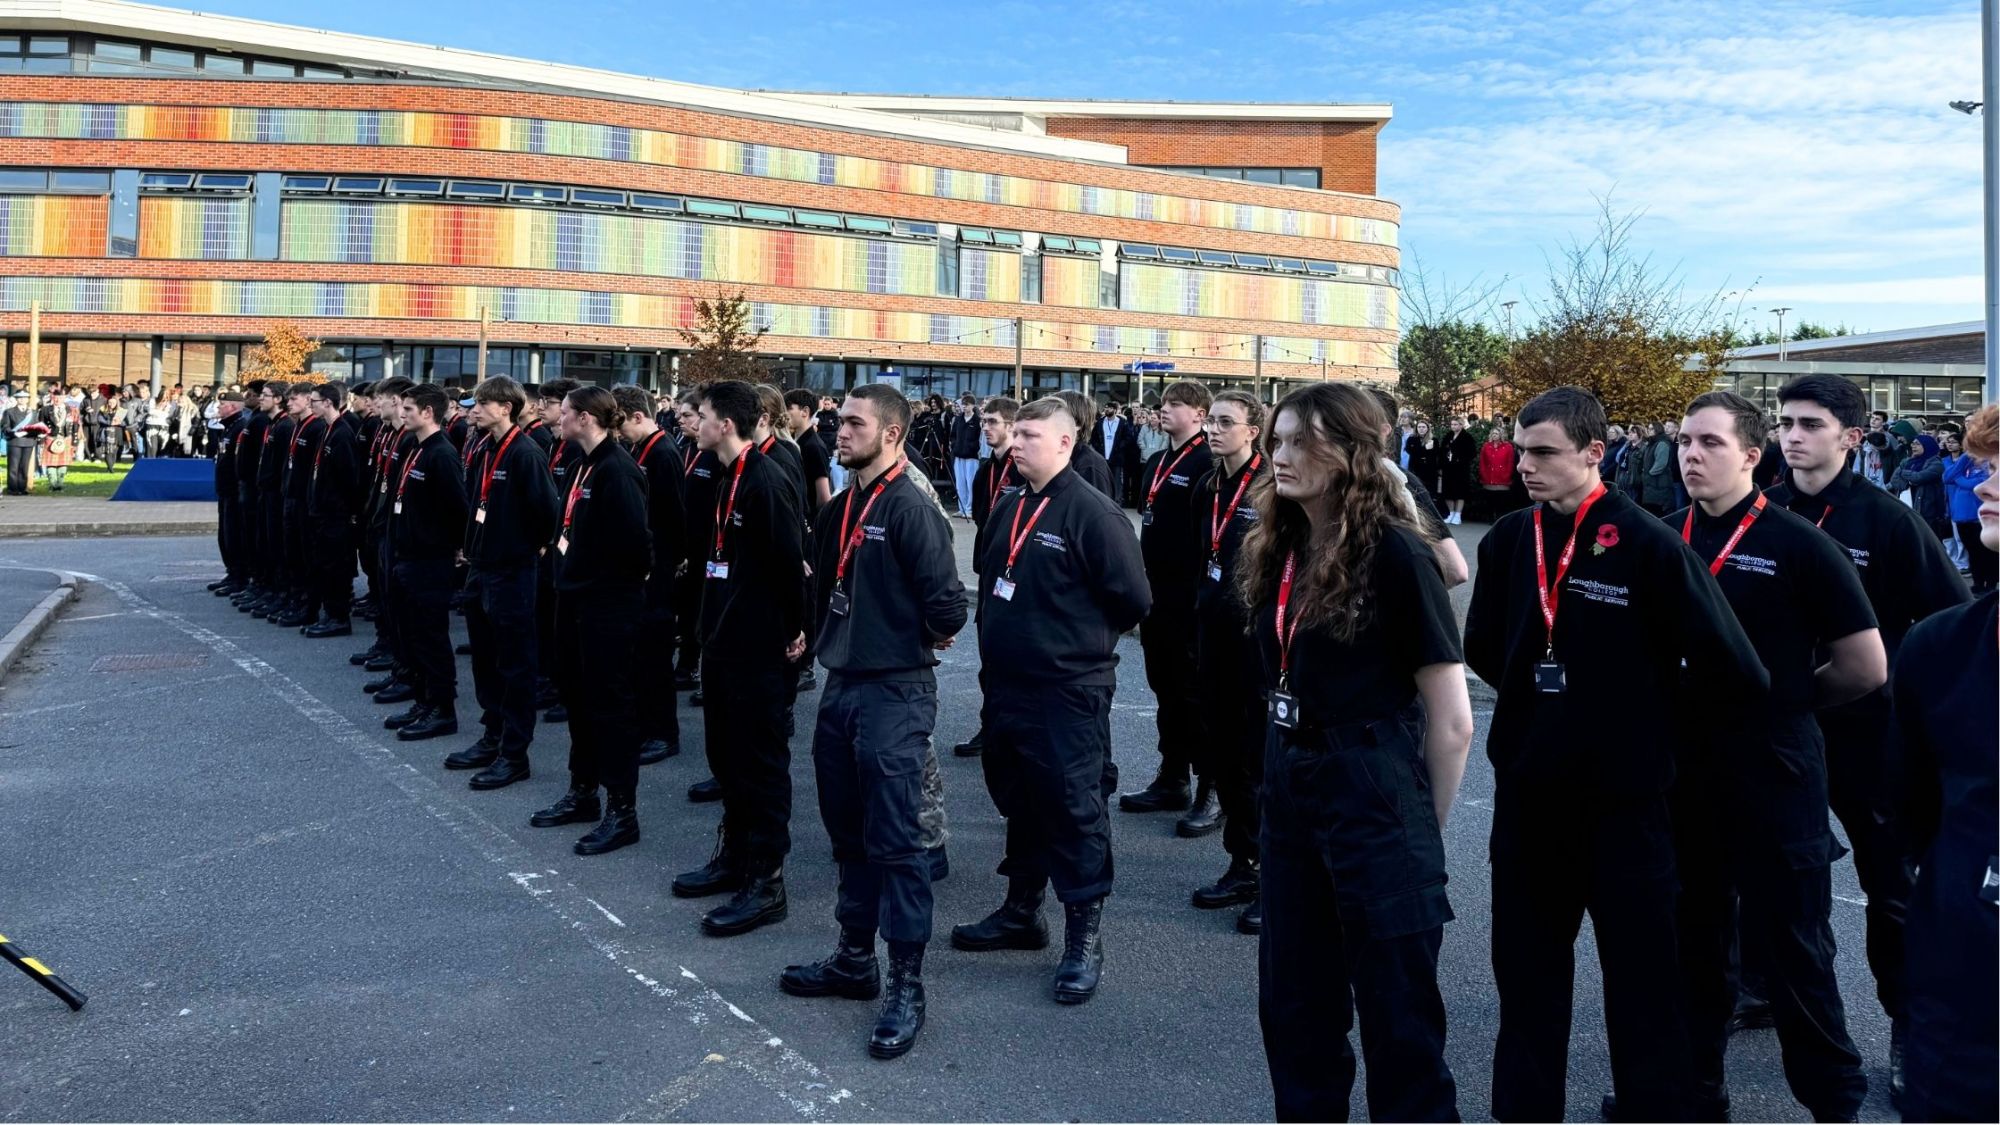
(1749, 517)
(298, 437)
(848, 542)
(1218, 520)
(575, 490)
(1821, 521)
(472, 450)
(404, 482)
(650, 443)
(768, 443)
(486, 481)
(688, 459)
(557, 459)
(1017, 535)
(1285, 635)
(999, 482)
(1542, 589)
(723, 514)
(1165, 470)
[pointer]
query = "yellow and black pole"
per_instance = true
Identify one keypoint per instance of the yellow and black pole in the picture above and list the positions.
(42, 975)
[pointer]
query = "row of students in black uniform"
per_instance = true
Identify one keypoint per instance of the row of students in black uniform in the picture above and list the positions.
(1360, 755)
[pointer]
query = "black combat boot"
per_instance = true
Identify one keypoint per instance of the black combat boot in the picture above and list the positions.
(1167, 793)
(577, 806)
(1237, 886)
(1204, 816)
(1083, 951)
(851, 973)
(1016, 925)
(902, 1002)
(722, 873)
(759, 902)
(619, 827)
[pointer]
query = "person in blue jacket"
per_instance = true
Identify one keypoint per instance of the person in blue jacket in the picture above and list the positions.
(1962, 476)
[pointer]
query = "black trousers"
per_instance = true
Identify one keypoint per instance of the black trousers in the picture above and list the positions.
(1755, 852)
(500, 623)
(1046, 744)
(687, 594)
(659, 706)
(1167, 637)
(271, 538)
(331, 561)
(1354, 914)
(1863, 788)
(232, 535)
(297, 574)
(377, 546)
(545, 617)
(20, 462)
(421, 594)
(1559, 850)
(745, 703)
(1232, 749)
(869, 749)
(597, 648)
(1983, 564)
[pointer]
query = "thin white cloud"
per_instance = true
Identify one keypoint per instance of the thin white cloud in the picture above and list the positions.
(1965, 289)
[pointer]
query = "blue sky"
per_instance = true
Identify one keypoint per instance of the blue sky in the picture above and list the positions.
(1799, 153)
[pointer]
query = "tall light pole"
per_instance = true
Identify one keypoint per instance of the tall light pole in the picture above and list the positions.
(1509, 307)
(1989, 39)
(1780, 313)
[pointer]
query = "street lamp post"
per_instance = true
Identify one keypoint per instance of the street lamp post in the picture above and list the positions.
(1781, 332)
(1508, 306)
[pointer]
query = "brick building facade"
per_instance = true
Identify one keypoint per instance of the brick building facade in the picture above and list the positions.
(172, 184)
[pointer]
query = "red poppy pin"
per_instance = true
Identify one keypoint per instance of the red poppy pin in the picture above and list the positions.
(1607, 536)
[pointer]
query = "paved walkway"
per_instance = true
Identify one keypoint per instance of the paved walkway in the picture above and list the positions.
(43, 516)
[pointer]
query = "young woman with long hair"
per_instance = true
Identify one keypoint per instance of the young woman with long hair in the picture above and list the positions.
(1366, 740)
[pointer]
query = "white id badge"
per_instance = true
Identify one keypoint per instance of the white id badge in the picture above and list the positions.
(1003, 589)
(399, 507)
(479, 516)
(718, 569)
(562, 545)
(1215, 572)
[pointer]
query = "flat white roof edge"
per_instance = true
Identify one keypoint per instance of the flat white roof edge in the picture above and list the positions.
(1206, 111)
(1863, 339)
(237, 33)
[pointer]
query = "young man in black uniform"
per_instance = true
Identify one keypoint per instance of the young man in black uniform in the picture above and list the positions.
(1174, 562)
(533, 424)
(1749, 801)
(1908, 577)
(660, 460)
(230, 525)
(995, 476)
(514, 508)
(888, 597)
(563, 456)
(1085, 460)
(301, 608)
(1061, 577)
(1228, 684)
(392, 445)
(776, 446)
(603, 552)
(333, 494)
(753, 618)
(815, 460)
(698, 502)
(271, 500)
(1581, 823)
(368, 431)
(246, 451)
(1942, 737)
(426, 530)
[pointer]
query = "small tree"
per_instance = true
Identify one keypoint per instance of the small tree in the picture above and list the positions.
(1619, 327)
(1446, 346)
(283, 354)
(722, 340)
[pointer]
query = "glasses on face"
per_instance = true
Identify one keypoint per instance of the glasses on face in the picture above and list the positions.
(1223, 424)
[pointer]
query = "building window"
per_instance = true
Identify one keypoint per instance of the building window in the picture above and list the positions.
(170, 58)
